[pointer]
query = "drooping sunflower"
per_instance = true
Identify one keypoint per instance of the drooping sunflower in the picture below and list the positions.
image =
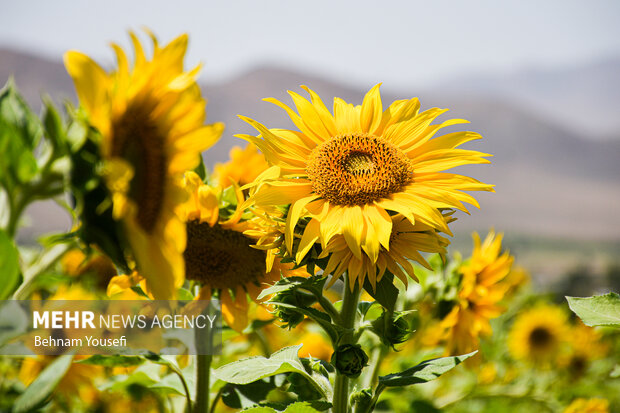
(221, 258)
(350, 170)
(242, 168)
(405, 243)
(538, 334)
(150, 117)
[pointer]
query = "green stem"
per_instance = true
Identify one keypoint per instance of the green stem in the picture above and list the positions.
(204, 344)
(185, 389)
(203, 370)
(347, 321)
(329, 308)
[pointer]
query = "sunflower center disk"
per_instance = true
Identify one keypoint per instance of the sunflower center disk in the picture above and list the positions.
(221, 258)
(138, 140)
(356, 169)
(540, 338)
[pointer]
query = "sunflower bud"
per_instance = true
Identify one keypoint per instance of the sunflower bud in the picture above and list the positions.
(361, 398)
(289, 316)
(349, 360)
(392, 328)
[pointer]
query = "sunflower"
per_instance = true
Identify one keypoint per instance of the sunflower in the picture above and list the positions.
(221, 258)
(406, 240)
(538, 334)
(585, 346)
(77, 385)
(242, 168)
(150, 118)
(76, 263)
(351, 170)
(582, 405)
(484, 282)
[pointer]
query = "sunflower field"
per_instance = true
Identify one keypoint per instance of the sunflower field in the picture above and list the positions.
(324, 247)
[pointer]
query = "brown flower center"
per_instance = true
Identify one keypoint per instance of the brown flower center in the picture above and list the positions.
(137, 139)
(221, 258)
(356, 169)
(540, 338)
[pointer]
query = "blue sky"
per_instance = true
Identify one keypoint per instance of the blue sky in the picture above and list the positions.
(405, 43)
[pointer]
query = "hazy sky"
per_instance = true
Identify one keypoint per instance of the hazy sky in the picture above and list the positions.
(409, 43)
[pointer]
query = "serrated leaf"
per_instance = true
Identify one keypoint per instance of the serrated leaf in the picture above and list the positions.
(256, 368)
(599, 310)
(424, 372)
(301, 407)
(113, 361)
(45, 383)
(386, 292)
(9, 265)
(260, 409)
(312, 284)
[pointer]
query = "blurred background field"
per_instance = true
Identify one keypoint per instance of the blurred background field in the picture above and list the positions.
(540, 83)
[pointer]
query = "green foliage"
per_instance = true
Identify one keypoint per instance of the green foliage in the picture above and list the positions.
(91, 198)
(423, 372)
(392, 328)
(601, 310)
(39, 390)
(386, 292)
(9, 263)
(113, 361)
(256, 368)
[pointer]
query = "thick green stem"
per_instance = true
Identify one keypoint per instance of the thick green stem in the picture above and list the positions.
(348, 315)
(203, 370)
(204, 346)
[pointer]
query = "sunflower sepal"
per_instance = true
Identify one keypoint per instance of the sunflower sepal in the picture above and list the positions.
(393, 328)
(385, 292)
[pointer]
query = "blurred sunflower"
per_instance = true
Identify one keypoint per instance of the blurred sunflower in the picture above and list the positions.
(585, 346)
(151, 119)
(77, 384)
(405, 243)
(76, 263)
(221, 258)
(350, 170)
(242, 168)
(537, 335)
(582, 405)
(483, 285)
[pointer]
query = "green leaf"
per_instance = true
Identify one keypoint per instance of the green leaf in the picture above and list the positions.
(36, 394)
(9, 266)
(599, 310)
(386, 292)
(426, 371)
(201, 170)
(20, 131)
(260, 409)
(313, 284)
(54, 128)
(301, 407)
(13, 320)
(113, 361)
(251, 369)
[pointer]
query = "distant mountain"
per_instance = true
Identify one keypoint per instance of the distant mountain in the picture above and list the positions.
(550, 181)
(36, 76)
(586, 98)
